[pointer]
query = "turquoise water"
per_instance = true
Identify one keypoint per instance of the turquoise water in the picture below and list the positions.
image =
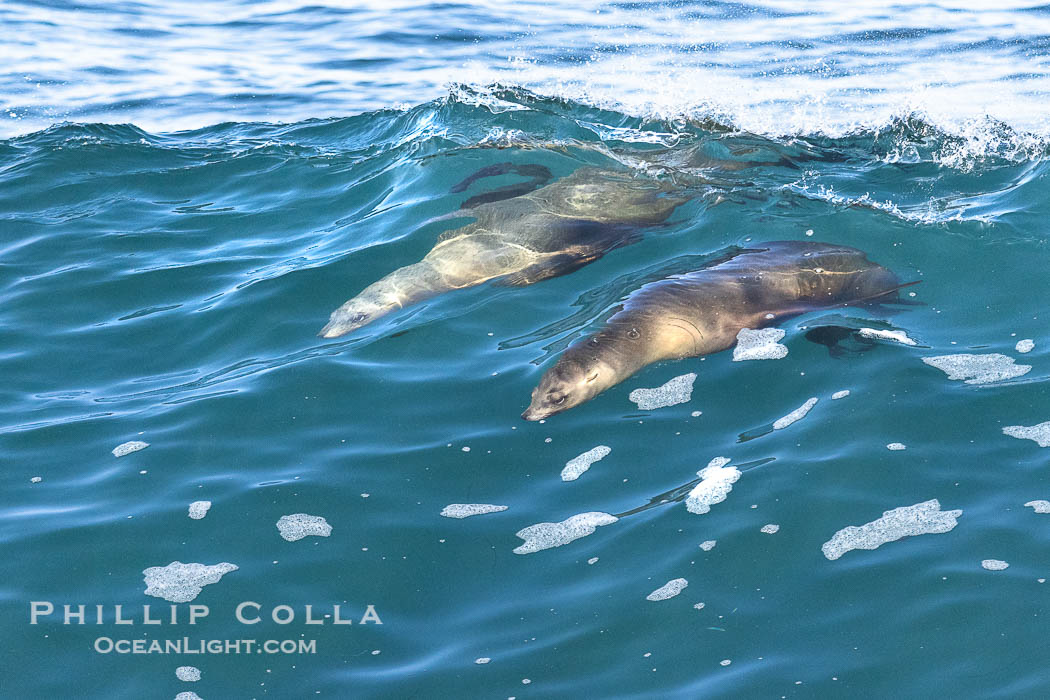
(167, 285)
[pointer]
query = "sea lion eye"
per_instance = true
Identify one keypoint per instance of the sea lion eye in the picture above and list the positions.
(633, 334)
(558, 401)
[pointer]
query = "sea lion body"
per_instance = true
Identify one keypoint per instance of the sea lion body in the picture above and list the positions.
(702, 312)
(548, 232)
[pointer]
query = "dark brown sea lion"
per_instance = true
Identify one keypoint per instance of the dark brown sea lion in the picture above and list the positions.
(548, 232)
(701, 312)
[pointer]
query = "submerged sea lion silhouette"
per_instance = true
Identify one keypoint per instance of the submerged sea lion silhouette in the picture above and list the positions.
(522, 240)
(700, 313)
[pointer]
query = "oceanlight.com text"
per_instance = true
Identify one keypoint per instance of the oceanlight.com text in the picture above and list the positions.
(186, 645)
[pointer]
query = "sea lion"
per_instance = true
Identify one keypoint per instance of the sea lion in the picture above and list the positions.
(701, 312)
(545, 233)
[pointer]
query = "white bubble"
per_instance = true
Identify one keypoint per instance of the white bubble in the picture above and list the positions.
(36, 480)
(668, 590)
(188, 673)
(796, 415)
(1039, 506)
(708, 545)
(1040, 433)
(482, 660)
(547, 535)
(725, 662)
(181, 583)
(129, 447)
(299, 525)
(198, 509)
(994, 564)
(716, 481)
(676, 391)
(840, 395)
(466, 510)
(578, 465)
(759, 344)
(771, 529)
(919, 519)
(1024, 346)
(978, 369)
(592, 560)
(896, 336)
(896, 446)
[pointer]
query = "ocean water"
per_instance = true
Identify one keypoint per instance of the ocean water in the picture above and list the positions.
(188, 190)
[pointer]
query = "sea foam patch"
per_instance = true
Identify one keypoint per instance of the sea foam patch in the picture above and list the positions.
(189, 674)
(129, 447)
(760, 344)
(994, 564)
(466, 510)
(299, 525)
(1039, 506)
(716, 481)
(188, 695)
(796, 415)
(181, 583)
(668, 590)
(1026, 345)
(879, 334)
(547, 535)
(840, 395)
(676, 391)
(978, 369)
(920, 519)
(578, 465)
(1039, 433)
(198, 509)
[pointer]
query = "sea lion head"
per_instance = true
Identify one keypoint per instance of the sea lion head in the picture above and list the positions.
(569, 383)
(359, 311)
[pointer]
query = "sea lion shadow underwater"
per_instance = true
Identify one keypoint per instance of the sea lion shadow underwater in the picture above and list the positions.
(521, 234)
(701, 312)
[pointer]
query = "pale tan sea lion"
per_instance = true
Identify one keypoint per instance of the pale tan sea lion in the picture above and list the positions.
(701, 312)
(551, 231)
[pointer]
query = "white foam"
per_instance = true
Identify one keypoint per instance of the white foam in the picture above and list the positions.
(187, 695)
(299, 525)
(1040, 433)
(482, 660)
(668, 590)
(840, 395)
(920, 519)
(1025, 345)
(36, 480)
(796, 415)
(578, 465)
(896, 336)
(676, 391)
(994, 564)
(771, 529)
(708, 545)
(592, 560)
(716, 482)
(465, 510)
(1039, 506)
(198, 509)
(759, 344)
(896, 446)
(547, 535)
(181, 583)
(698, 606)
(129, 447)
(189, 674)
(978, 369)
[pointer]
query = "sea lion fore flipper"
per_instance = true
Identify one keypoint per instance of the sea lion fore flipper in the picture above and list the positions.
(554, 266)
(538, 177)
